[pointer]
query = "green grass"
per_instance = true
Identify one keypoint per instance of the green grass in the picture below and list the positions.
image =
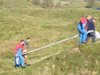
(85, 61)
(45, 26)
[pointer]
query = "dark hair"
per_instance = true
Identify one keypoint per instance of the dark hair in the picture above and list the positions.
(21, 40)
(94, 18)
(28, 38)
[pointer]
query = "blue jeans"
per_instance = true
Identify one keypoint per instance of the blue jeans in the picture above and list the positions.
(20, 58)
(17, 62)
(91, 35)
(82, 33)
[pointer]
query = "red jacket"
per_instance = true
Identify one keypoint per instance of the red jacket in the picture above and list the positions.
(18, 46)
(83, 20)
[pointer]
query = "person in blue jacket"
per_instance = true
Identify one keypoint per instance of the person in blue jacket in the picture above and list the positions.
(82, 33)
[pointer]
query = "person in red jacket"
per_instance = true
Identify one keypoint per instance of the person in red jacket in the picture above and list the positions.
(19, 59)
(19, 45)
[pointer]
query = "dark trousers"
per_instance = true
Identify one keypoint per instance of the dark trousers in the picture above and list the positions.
(91, 35)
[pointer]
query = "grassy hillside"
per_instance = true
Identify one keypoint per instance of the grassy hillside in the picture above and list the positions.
(20, 19)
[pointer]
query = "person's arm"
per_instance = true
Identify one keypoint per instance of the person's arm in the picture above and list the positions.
(15, 50)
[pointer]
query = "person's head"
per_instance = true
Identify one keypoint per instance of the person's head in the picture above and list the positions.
(28, 39)
(22, 42)
(89, 17)
(83, 20)
(94, 19)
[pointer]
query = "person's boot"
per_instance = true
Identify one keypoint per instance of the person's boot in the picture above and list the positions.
(27, 64)
(17, 66)
(23, 67)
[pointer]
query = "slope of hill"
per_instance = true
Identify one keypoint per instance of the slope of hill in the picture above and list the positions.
(19, 20)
